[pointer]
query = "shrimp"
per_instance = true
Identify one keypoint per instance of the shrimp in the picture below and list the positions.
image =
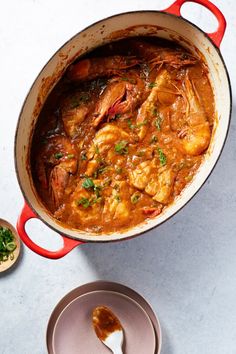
(57, 160)
(161, 55)
(119, 97)
(196, 135)
(89, 69)
(110, 98)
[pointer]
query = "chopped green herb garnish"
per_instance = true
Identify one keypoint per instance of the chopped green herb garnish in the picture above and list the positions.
(141, 153)
(179, 166)
(121, 147)
(70, 156)
(102, 169)
(130, 124)
(58, 155)
(97, 150)
(85, 202)
(11, 246)
(7, 244)
(154, 112)
(157, 123)
(76, 101)
(119, 170)
(158, 120)
(154, 139)
(135, 198)
(116, 116)
(83, 157)
(95, 200)
(88, 183)
(99, 159)
(162, 157)
(142, 123)
(117, 197)
(84, 97)
(132, 81)
(95, 174)
(43, 141)
(151, 85)
(133, 126)
(97, 191)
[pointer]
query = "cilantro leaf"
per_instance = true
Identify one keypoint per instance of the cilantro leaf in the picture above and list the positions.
(85, 202)
(151, 85)
(121, 147)
(88, 183)
(58, 155)
(83, 157)
(162, 157)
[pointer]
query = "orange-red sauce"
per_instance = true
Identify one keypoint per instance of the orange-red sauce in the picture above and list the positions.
(105, 322)
(122, 134)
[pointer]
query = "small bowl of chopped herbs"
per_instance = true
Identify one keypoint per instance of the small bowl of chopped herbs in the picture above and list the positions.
(9, 245)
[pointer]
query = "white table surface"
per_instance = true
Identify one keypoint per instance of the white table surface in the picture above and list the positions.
(186, 268)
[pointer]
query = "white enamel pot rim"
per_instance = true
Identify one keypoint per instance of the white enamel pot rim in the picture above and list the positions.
(142, 23)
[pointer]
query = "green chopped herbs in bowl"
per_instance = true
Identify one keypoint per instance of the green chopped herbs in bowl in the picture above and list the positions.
(7, 244)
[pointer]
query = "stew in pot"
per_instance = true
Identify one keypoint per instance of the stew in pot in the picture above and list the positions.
(122, 133)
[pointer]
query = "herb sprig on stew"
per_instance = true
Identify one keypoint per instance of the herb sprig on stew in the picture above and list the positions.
(121, 147)
(162, 157)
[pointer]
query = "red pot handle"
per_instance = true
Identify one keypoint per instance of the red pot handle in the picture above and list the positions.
(27, 214)
(216, 36)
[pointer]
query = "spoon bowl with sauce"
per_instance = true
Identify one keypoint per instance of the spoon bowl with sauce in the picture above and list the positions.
(108, 328)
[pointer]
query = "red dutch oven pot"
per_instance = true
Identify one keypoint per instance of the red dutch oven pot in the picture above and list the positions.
(166, 24)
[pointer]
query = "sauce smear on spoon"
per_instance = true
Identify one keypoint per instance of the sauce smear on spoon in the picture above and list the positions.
(105, 322)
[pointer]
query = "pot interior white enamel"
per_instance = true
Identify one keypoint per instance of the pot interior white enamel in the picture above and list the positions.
(114, 28)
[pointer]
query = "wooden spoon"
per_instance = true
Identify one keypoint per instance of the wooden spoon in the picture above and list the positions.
(108, 328)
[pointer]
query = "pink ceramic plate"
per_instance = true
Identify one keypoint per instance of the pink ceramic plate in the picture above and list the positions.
(70, 328)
